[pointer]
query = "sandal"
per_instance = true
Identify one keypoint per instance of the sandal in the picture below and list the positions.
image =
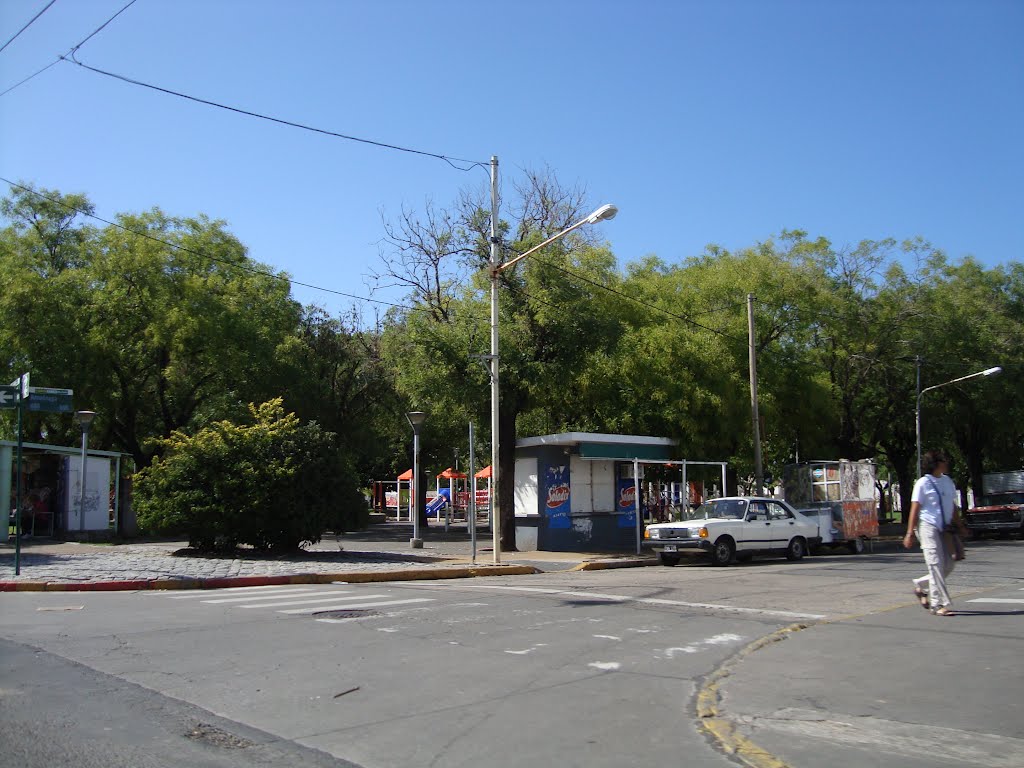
(944, 610)
(922, 598)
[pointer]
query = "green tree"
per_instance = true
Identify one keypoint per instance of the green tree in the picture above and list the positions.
(273, 483)
(158, 323)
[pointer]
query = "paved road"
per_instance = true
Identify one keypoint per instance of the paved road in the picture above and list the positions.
(674, 665)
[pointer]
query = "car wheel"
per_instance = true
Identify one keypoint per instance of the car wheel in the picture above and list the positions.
(669, 560)
(797, 549)
(723, 552)
(856, 546)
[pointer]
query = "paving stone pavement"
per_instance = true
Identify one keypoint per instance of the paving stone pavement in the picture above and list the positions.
(380, 552)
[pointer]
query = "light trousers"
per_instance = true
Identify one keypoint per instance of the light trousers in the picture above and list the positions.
(940, 564)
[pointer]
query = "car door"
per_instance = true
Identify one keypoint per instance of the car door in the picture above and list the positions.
(757, 528)
(783, 525)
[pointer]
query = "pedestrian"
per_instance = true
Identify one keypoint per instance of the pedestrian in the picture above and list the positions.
(933, 509)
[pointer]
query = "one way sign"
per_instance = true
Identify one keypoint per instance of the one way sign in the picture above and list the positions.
(9, 396)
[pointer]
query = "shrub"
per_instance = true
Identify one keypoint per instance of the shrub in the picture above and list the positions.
(274, 484)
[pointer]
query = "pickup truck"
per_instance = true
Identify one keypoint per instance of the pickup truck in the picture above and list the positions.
(1000, 508)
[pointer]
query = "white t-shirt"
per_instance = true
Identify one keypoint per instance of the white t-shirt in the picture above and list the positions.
(936, 495)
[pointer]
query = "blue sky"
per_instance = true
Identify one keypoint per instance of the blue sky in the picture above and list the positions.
(704, 122)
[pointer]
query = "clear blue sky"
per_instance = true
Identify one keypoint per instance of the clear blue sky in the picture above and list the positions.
(705, 122)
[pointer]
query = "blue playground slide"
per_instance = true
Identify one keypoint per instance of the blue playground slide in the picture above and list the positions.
(443, 500)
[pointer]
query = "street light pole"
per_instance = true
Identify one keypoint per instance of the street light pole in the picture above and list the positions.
(85, 421)
(603, 213)
(416, 419)
(920, 392)
(495, 392)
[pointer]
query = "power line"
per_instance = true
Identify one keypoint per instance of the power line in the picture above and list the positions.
(101, 26)
(645, 304)
(29, 24)
(207, 256)
(452, 161)
(39, 72)
(73, 49)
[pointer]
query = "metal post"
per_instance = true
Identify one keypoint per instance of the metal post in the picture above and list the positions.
(495, 390)
(758, 472)
(471, 505)
(85, 421)
(416, 419)
(917, 416)
(636, 504)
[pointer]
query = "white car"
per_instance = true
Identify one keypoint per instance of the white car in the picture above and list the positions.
(735, 527)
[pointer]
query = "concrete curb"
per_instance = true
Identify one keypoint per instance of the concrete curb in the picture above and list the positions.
(352, 577)
(606, 565)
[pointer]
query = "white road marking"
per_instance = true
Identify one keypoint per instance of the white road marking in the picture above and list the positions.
(357, 606)
(1012, 600)
(276, 596)
(608, 637)
(605, 666)
(650, 601)
(201, 593)
(326, 597)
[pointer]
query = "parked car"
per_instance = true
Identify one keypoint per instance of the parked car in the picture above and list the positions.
(735, 527)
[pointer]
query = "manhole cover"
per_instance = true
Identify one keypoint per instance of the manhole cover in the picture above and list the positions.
(354, 613)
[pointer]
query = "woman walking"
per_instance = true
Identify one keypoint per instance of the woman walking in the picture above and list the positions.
(933, 509)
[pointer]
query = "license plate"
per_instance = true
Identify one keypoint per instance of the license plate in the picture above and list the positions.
(670, 547)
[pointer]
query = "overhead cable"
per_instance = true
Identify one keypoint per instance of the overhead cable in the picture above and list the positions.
(203, 255)
(29, 24)
(452, 161)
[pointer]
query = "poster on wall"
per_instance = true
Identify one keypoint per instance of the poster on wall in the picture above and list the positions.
(97, 494)
(557, 496)
(625, 503)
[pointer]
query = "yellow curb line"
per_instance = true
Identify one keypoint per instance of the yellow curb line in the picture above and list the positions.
(722, 730)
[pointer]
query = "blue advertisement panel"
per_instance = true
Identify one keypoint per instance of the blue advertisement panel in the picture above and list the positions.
(556, 496)
(625, 503)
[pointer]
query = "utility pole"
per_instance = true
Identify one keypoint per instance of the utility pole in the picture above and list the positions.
(495, 391)
(758, 471)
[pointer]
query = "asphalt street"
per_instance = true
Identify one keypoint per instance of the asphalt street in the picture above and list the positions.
(826, 661)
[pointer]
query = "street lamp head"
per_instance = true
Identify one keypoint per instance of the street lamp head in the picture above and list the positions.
(416, 419)
(84, 419)
(992, 371)
(604, 213)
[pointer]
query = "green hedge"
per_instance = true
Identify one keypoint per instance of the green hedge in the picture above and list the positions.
(274, 484)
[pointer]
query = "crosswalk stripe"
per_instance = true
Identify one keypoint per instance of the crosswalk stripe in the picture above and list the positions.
(277, 596)
(201, 593)
(1014, 600)
(326, 597)
(356, 606)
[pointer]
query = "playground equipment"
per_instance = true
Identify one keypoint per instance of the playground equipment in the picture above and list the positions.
(393, 498)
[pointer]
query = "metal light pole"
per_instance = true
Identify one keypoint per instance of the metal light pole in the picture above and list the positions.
(917, 411)
(416, 419)
(84, 419)
(603, 213)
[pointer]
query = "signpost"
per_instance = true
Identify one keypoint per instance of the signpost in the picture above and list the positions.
(39, 399)
(20, 392)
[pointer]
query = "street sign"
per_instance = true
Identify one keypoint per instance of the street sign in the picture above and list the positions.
(22, 384)
(50, 391)
(9, 396)
(50, 400)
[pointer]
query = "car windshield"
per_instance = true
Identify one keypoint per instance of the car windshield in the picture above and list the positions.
(734, 508)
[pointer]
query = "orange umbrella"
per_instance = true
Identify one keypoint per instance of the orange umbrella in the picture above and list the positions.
(407, 475)
(449, 473)
(483, 474)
